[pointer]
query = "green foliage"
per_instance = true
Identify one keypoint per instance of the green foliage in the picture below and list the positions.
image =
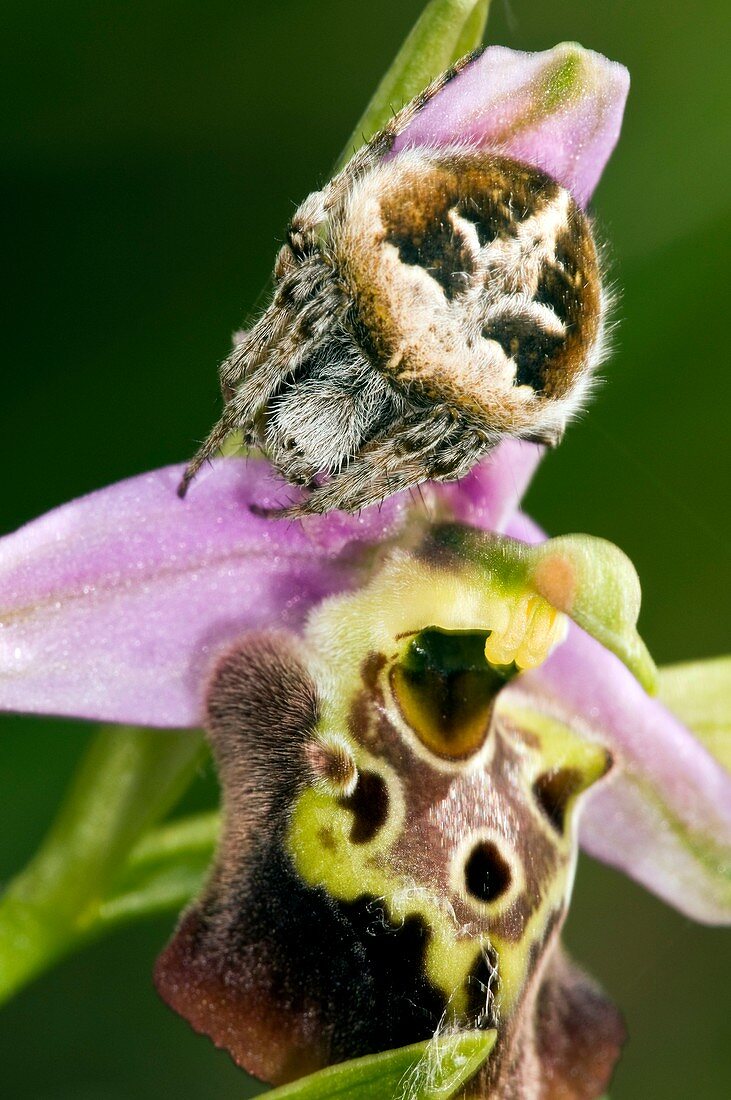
(434, 1070)
(128, 780)
(699, 692)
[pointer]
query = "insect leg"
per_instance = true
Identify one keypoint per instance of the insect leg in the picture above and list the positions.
(245, 403)
(215, 439)
(427, 444)
(381, 142)
(289, 330)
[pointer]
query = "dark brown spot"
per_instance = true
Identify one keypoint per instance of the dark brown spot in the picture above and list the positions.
(490, 222)
(555, 291)
(371, 669)
(561, 283)
(570, 286)
(326, 837)
(369, 806)
(570, 248)
(359, 717)
(487, 874)
(482, 985)
(554, 790)
(306, 324)
(531, 348)
(443, 252)
(287, 292)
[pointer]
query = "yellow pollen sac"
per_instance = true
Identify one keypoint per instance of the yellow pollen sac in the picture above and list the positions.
(534, 629)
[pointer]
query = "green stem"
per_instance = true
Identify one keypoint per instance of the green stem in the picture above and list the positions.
(164, 871)
(445, 31)
(126, 782)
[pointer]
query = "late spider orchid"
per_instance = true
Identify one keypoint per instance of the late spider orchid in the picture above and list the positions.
(417, 714)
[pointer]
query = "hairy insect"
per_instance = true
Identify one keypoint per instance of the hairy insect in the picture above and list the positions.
(427, 304)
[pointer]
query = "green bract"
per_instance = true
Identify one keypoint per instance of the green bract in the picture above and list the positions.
(434, 1070)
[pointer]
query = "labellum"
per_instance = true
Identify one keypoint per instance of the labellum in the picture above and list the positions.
(399, 837)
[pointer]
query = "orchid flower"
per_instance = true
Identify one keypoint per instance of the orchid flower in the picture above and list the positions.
(417, 713)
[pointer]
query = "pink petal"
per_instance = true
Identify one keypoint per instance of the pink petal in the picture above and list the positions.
(489, 495)
(560, 111)
(522, 527)
(663, 815)
(113, 606)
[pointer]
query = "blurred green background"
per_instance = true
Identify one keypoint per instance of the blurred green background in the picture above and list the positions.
(151, 155)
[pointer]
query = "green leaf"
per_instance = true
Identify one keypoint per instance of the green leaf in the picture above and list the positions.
(445, 31)
(164, 871)
(699, 693)
(433, 1070)
(126, 782)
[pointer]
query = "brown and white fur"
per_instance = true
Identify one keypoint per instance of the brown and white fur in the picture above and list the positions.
(426, 305)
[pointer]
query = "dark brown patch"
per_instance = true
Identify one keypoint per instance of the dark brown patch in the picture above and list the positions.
(287, 292)
(326, 838)
(361, 713)
(441, 251)
(558, 292)
(579, 1033)
(495, 194)
(512, 197)
(359, 717)
(487, 873)
(531, 348)
(371, 669)
(554, 790)
(369, 806)
(571, 287)
(288, 979)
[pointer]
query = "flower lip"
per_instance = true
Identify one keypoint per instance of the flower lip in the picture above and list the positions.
(559, 110)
